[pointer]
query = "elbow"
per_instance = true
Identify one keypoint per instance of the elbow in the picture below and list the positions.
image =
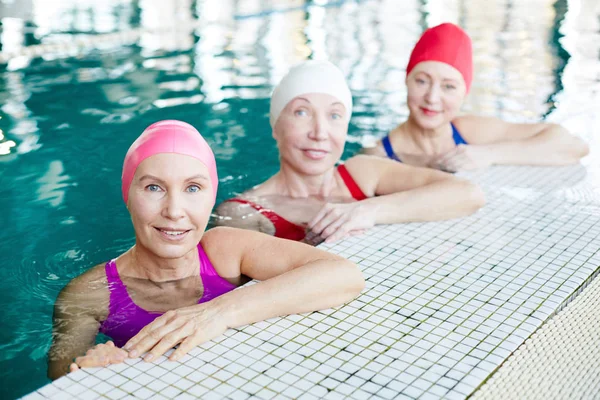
(474, 197)
(573, 148)
(581, 149)
(354, 278)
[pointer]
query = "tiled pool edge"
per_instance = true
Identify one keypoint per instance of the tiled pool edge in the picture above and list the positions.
(405, 264)
(541, 353)
(588, 282)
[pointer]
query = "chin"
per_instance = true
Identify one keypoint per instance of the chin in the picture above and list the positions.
(317, 168)
(431, 123)
(171, 252)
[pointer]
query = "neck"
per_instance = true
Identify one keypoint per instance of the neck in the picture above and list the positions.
(430, 141)
(292, 183)
(145, 265)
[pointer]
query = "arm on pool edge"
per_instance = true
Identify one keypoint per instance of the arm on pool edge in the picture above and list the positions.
(295, 278)
(522, 143)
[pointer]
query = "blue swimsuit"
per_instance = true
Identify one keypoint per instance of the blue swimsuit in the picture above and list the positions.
(458, 139)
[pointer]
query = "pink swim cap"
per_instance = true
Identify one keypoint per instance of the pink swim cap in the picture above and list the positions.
(169, 136)
(446, 43)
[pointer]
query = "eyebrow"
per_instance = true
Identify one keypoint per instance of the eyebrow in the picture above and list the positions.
(335, 103)
(443, 79)
(191, 178)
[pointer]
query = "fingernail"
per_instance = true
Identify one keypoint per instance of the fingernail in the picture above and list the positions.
(148, 357)
(127, 346)
(133, 353)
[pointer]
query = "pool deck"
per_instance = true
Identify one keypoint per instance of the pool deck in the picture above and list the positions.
(445, 305)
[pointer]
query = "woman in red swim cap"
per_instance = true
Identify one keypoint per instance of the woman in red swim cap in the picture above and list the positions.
(438, 78)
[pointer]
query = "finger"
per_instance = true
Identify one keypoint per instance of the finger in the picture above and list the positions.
(356, 232)
(188, 344)
(312, 238)
(334, 226)
(117, 355)
(92, 361)
(322, 212)
(171, 340)
(331, 217)
(73, 367)
(340, 233)
(151, 334)
(448, 155)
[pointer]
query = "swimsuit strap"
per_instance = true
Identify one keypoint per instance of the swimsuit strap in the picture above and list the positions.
(283, 228)
(118, 291)
(214, 285)
(387, 145)
(351, 184)
(458, 139)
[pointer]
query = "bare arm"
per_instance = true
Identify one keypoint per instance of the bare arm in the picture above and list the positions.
(295, 278)
(237, 215)
(404, 193)
(525, 144)
(75, 323)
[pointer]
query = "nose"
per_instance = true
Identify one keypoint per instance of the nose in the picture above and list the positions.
(173, 208)
(319, 127)
(433, 93)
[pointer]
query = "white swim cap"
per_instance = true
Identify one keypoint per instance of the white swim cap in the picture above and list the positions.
(310, 77)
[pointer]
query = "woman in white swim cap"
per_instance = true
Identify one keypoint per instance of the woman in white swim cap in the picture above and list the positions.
(311, 199)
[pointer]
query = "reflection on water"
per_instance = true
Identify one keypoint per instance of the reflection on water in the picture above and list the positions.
(82, 78)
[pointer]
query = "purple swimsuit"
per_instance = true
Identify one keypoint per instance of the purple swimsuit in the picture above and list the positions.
(125, 318)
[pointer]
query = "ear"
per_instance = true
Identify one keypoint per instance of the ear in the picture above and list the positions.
(275, 131)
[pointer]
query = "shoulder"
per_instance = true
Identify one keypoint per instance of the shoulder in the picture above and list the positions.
(87, 292)
(226, 246)
(231, 213)
(367, 170)
(480, 130)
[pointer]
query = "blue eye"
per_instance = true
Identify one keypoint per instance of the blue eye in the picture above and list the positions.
(420, 81)
(193, 189)
(300, 113)
(336, 116)
(153, 188)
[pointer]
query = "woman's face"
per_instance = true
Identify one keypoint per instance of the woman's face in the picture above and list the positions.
(436, 92)
(311, 133)
(170, 201)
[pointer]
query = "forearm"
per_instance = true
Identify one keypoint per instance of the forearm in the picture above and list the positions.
(315, 286)
(436, 201)
(552, 146)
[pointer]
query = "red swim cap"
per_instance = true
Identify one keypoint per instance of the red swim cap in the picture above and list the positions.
(445, 43)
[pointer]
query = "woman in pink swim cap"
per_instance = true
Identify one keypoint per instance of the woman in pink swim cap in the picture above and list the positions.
(310, 198)
(438, 78)
(175, 285)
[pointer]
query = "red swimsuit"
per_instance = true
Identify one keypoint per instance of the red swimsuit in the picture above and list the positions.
(288, 230)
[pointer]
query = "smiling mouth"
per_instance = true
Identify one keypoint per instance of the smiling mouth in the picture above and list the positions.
(427, 111)
(172, 234)
(315, 154)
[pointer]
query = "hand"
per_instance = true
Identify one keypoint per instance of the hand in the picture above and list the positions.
(188, 327)
(463, 157)
(100, 355)
(336, 221)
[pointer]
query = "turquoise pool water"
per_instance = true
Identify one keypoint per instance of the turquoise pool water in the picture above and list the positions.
(69, 116)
